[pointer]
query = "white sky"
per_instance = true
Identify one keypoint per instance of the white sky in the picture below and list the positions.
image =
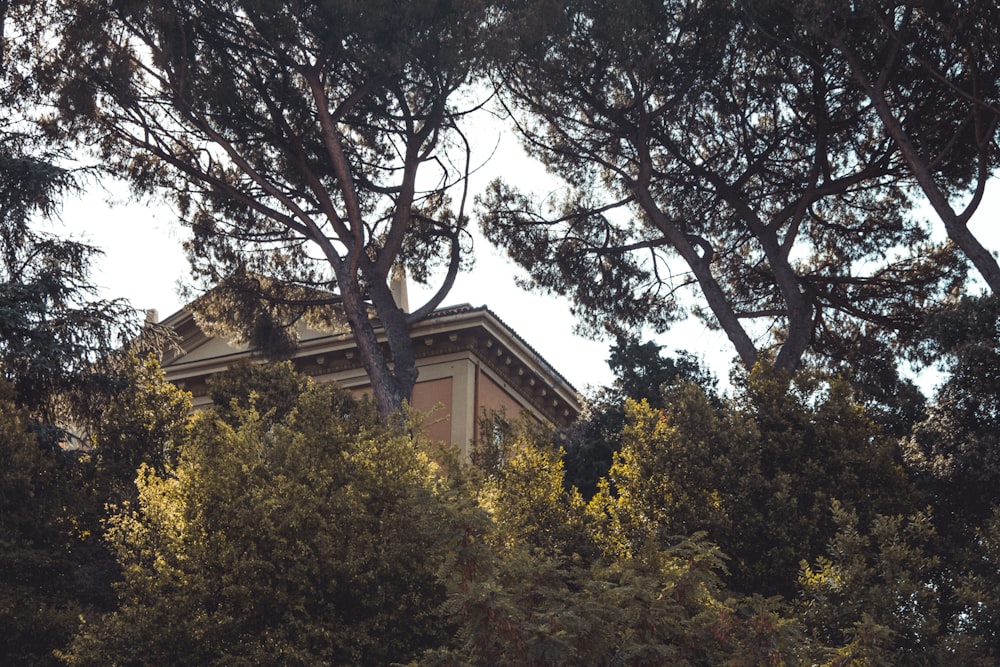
(144, 263)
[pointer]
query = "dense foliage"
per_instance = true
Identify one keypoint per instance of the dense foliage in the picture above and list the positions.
(327, 537)
(775, 525)
(314, 538)
(64, 376)
(642, 372)
(41, 594)
(758, 475)
(56, 564)
(54, 328)
(757, 164)
(308, 146)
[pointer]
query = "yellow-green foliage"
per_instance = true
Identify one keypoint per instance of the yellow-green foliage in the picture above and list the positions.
(546, 517)
(144, 423)
(273, 390)
(666, 480)
(757, 474)
(540, 592)
(314, 540)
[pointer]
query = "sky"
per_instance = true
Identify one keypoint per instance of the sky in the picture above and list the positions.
(144, 263)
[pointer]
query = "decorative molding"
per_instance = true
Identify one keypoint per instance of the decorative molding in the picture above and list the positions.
(460, 330)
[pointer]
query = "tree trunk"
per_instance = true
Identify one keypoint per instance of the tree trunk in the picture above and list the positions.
(716, 298)
(388, 391)
(397, 332)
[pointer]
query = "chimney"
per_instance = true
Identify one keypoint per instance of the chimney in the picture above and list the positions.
(397, 285)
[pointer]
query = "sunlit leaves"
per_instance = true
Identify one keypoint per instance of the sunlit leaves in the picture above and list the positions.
(311, 537)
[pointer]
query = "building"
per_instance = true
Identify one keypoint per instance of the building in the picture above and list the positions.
(468, 361)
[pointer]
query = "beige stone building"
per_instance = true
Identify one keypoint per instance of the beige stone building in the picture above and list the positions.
(468, 361)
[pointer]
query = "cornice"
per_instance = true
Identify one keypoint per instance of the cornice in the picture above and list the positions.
(455, 330)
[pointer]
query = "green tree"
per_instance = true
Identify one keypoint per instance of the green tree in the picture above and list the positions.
(895, 591)
(43, 586)
(539, 590)
(316, 538)
(955, 450)
(952, 454)
(757, 474)
(142, 423)
(931, 73)
(642, 372)
(524, 493)
(54, 330)
(54, 565)
(700, 156)
(273, 390)
(58, 369)
(311, 148)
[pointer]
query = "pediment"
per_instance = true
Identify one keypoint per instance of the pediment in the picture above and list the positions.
(194, 345)
(208, 348)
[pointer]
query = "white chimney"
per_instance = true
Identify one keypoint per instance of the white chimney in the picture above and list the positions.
(397, 285)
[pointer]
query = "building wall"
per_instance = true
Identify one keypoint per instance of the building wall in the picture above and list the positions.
(468, 362)
(495, 395)
(455, 391)
(433, 398)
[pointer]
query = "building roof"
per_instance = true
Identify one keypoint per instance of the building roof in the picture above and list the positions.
(463, 308)
(459, 329)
